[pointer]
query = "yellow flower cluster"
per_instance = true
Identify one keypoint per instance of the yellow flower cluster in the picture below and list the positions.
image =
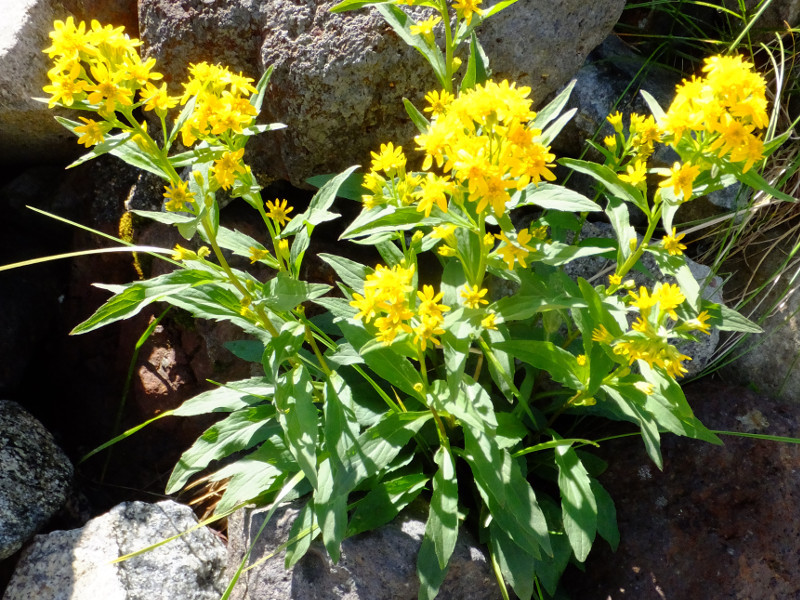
(99, 65)
(484, 145)
(388, 295)
(648, 338)
(481, 142)
(222, 105)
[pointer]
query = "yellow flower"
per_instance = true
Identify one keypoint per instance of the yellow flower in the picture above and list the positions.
(428, 306)
(602, 335)
(636, 174)
(700, 323)
(157, 98)
(178, 196)
(389, 160)
(433, 191)
(425, 28)
(488, 322)
(614, 279)
(672, 243)
(426, 330)
(466, 8)
(616, 121)
(257, 254)
(181, 253)
(514, 251)
(438, 101)
(65, 86)
(669, 296)
(68, 39)
(226, 168)
(92, 132)
(681, 179)
(643, 300)
(278, 211)
(581, 360)
(108, 92)
(473, 297)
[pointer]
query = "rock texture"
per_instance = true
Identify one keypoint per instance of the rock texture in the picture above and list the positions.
(35, 477)
(380, 565)
(719, 521)
(339, 79)
(76, 565)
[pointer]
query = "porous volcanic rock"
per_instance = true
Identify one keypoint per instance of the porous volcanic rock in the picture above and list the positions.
(77, 564)
(719, 521)
(35, 477)
(373, 566)
(339, 79)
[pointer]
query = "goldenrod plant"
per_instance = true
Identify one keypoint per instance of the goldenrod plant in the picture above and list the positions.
(418, 380)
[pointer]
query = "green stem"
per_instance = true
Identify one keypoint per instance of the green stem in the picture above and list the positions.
(448, 47)
(633, 258)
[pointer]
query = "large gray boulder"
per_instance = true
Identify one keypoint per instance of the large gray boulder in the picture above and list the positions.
(340, 79)
(35, 477)
(379, 565)
(77, 564)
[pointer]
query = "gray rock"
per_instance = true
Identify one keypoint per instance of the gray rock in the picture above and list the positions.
(339, 79)
(34, 479)
(373, 566)
(76, 564)
(29, 130)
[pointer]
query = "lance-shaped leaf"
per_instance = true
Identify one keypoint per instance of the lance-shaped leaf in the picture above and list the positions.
(578, 506)
(298, 417)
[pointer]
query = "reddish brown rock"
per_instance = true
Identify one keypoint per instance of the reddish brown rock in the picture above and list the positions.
(719, 521)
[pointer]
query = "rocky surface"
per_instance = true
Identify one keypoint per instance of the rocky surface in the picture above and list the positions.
(34, 479)
(76, 564)
(380, 564)
(718, 522)
(339, 79)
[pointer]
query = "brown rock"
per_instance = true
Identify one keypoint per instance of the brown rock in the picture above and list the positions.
(718, 522)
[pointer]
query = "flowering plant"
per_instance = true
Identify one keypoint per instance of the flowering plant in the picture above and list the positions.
(428, 373)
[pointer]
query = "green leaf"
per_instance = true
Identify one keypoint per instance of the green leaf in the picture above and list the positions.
(496, 8)
(241, 430)
(168, 218)
(506, 493)
(477, 65)
(379, 445)
(284, 293)
(330, 507)
(442, 525)
(395, 369)
(339, 307)
(755, 181)
(351, 188)
(606, 515)
(257, 99)
(346, 5)
(556, 254)
(401, 23)
(552, 130)
(300, 535)
(230, 397)
(248, 478)
(516, 565)
(298, 418)
(727, 319)
(519, 307)
(384, 501)
(578, 505)
(653, 105)
(554, 107)
(419, 120)
(135, 296)
(351, 273)
(554, 197)
(430, 574)
(471, 405)
(240, 243)
(619, 216)
(610, 180)
(545, 356)
(629, 410)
